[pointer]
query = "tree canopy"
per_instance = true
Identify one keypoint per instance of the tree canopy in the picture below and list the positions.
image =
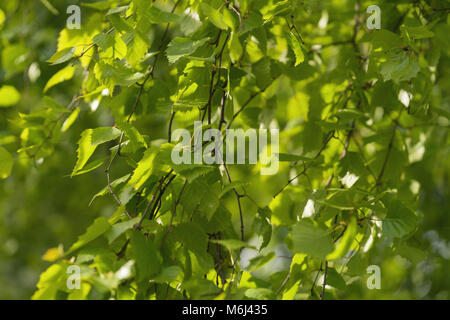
(87, 180)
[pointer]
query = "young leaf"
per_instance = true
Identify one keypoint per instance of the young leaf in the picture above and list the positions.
(143, 170)
(214, 16)
(61, 76)
(235, 47)
(137, 141)
(120, 228)
(99, 227)
(9, 96)
(399, 221)
(311, 240)
(145, 253)
(6, 163)
(62, 56)
(70, 120)
(182, 47)
(155, 15)
(233, 244)
(90, 139)
(296, 47)
(345, 243)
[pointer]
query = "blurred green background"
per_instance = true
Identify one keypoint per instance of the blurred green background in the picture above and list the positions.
(41, 207)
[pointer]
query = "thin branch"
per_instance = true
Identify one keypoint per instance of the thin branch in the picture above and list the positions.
(315, 280)
(70, 107)
(216, 69)
(172, 117)
(324, 280)
(386, 159)
(285, 281)
(238, 198)
(159, 190)
(223, 104)
(108, 176)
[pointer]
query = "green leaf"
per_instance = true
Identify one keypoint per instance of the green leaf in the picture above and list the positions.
(262, 72)
(260, 294)
(259, 261)
(90, 139)
(104, 41)
(15, 59)
(6, 163)
(229, 19)
(350, 114)
(120, 228)
(143, 170)
(62, 56)
(50, 281)
(399, 221)
(98, 228)
(214, 16)
(253, 21)
(117, 10)
(311, 240)
(227, 188)
(414, 255)
(155, 15)
(2, 17)
(276, 9)
(9, 96)
(99, 5)
(70, 120)
(357, 264)
(119, 23)
(50, 7)
(61, 76)
(146, 255)
(114, 184)
(90, 166)
(345, 243)
(399, 67)
(335, 280)
(168, 274)
(114, 74)
(262, 226)
(198, 243)
(137, 47)
(295, 45)
(182, 47)
(137, 141)
(285, 157)
(235, 47)
(417, 33)
(233, 244)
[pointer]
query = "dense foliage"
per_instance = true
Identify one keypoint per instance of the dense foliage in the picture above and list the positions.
(86, 117)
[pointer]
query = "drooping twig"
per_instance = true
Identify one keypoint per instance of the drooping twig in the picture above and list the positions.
(49, 136)
(136, 103)
(386, 159)
(174, 212)
(306, 166)
(238, 198)
(172, 117)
